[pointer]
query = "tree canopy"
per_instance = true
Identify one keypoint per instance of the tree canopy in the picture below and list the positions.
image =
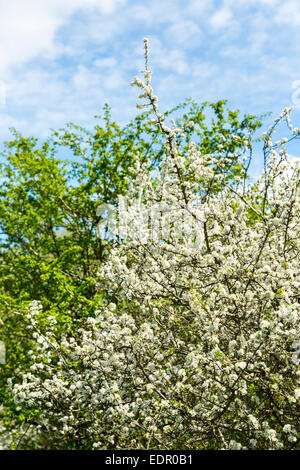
(105, 335)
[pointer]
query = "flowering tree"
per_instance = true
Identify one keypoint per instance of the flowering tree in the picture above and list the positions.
(193, 346)
(49, 249)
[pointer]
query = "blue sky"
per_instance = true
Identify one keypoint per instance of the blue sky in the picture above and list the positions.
(60, 61)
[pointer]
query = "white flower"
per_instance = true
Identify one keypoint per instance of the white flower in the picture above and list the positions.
(287, 428)
(241, 365)
(234, 445)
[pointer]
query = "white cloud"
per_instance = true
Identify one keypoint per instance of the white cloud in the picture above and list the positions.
(246, 4)
(164, 58)
(221, 19)
(107, 62)
(199, 8)
(289, 13)
(142, 14)
(27, 28)
(204, 70)
(87, 81)
(84, 78)
(184, 32)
